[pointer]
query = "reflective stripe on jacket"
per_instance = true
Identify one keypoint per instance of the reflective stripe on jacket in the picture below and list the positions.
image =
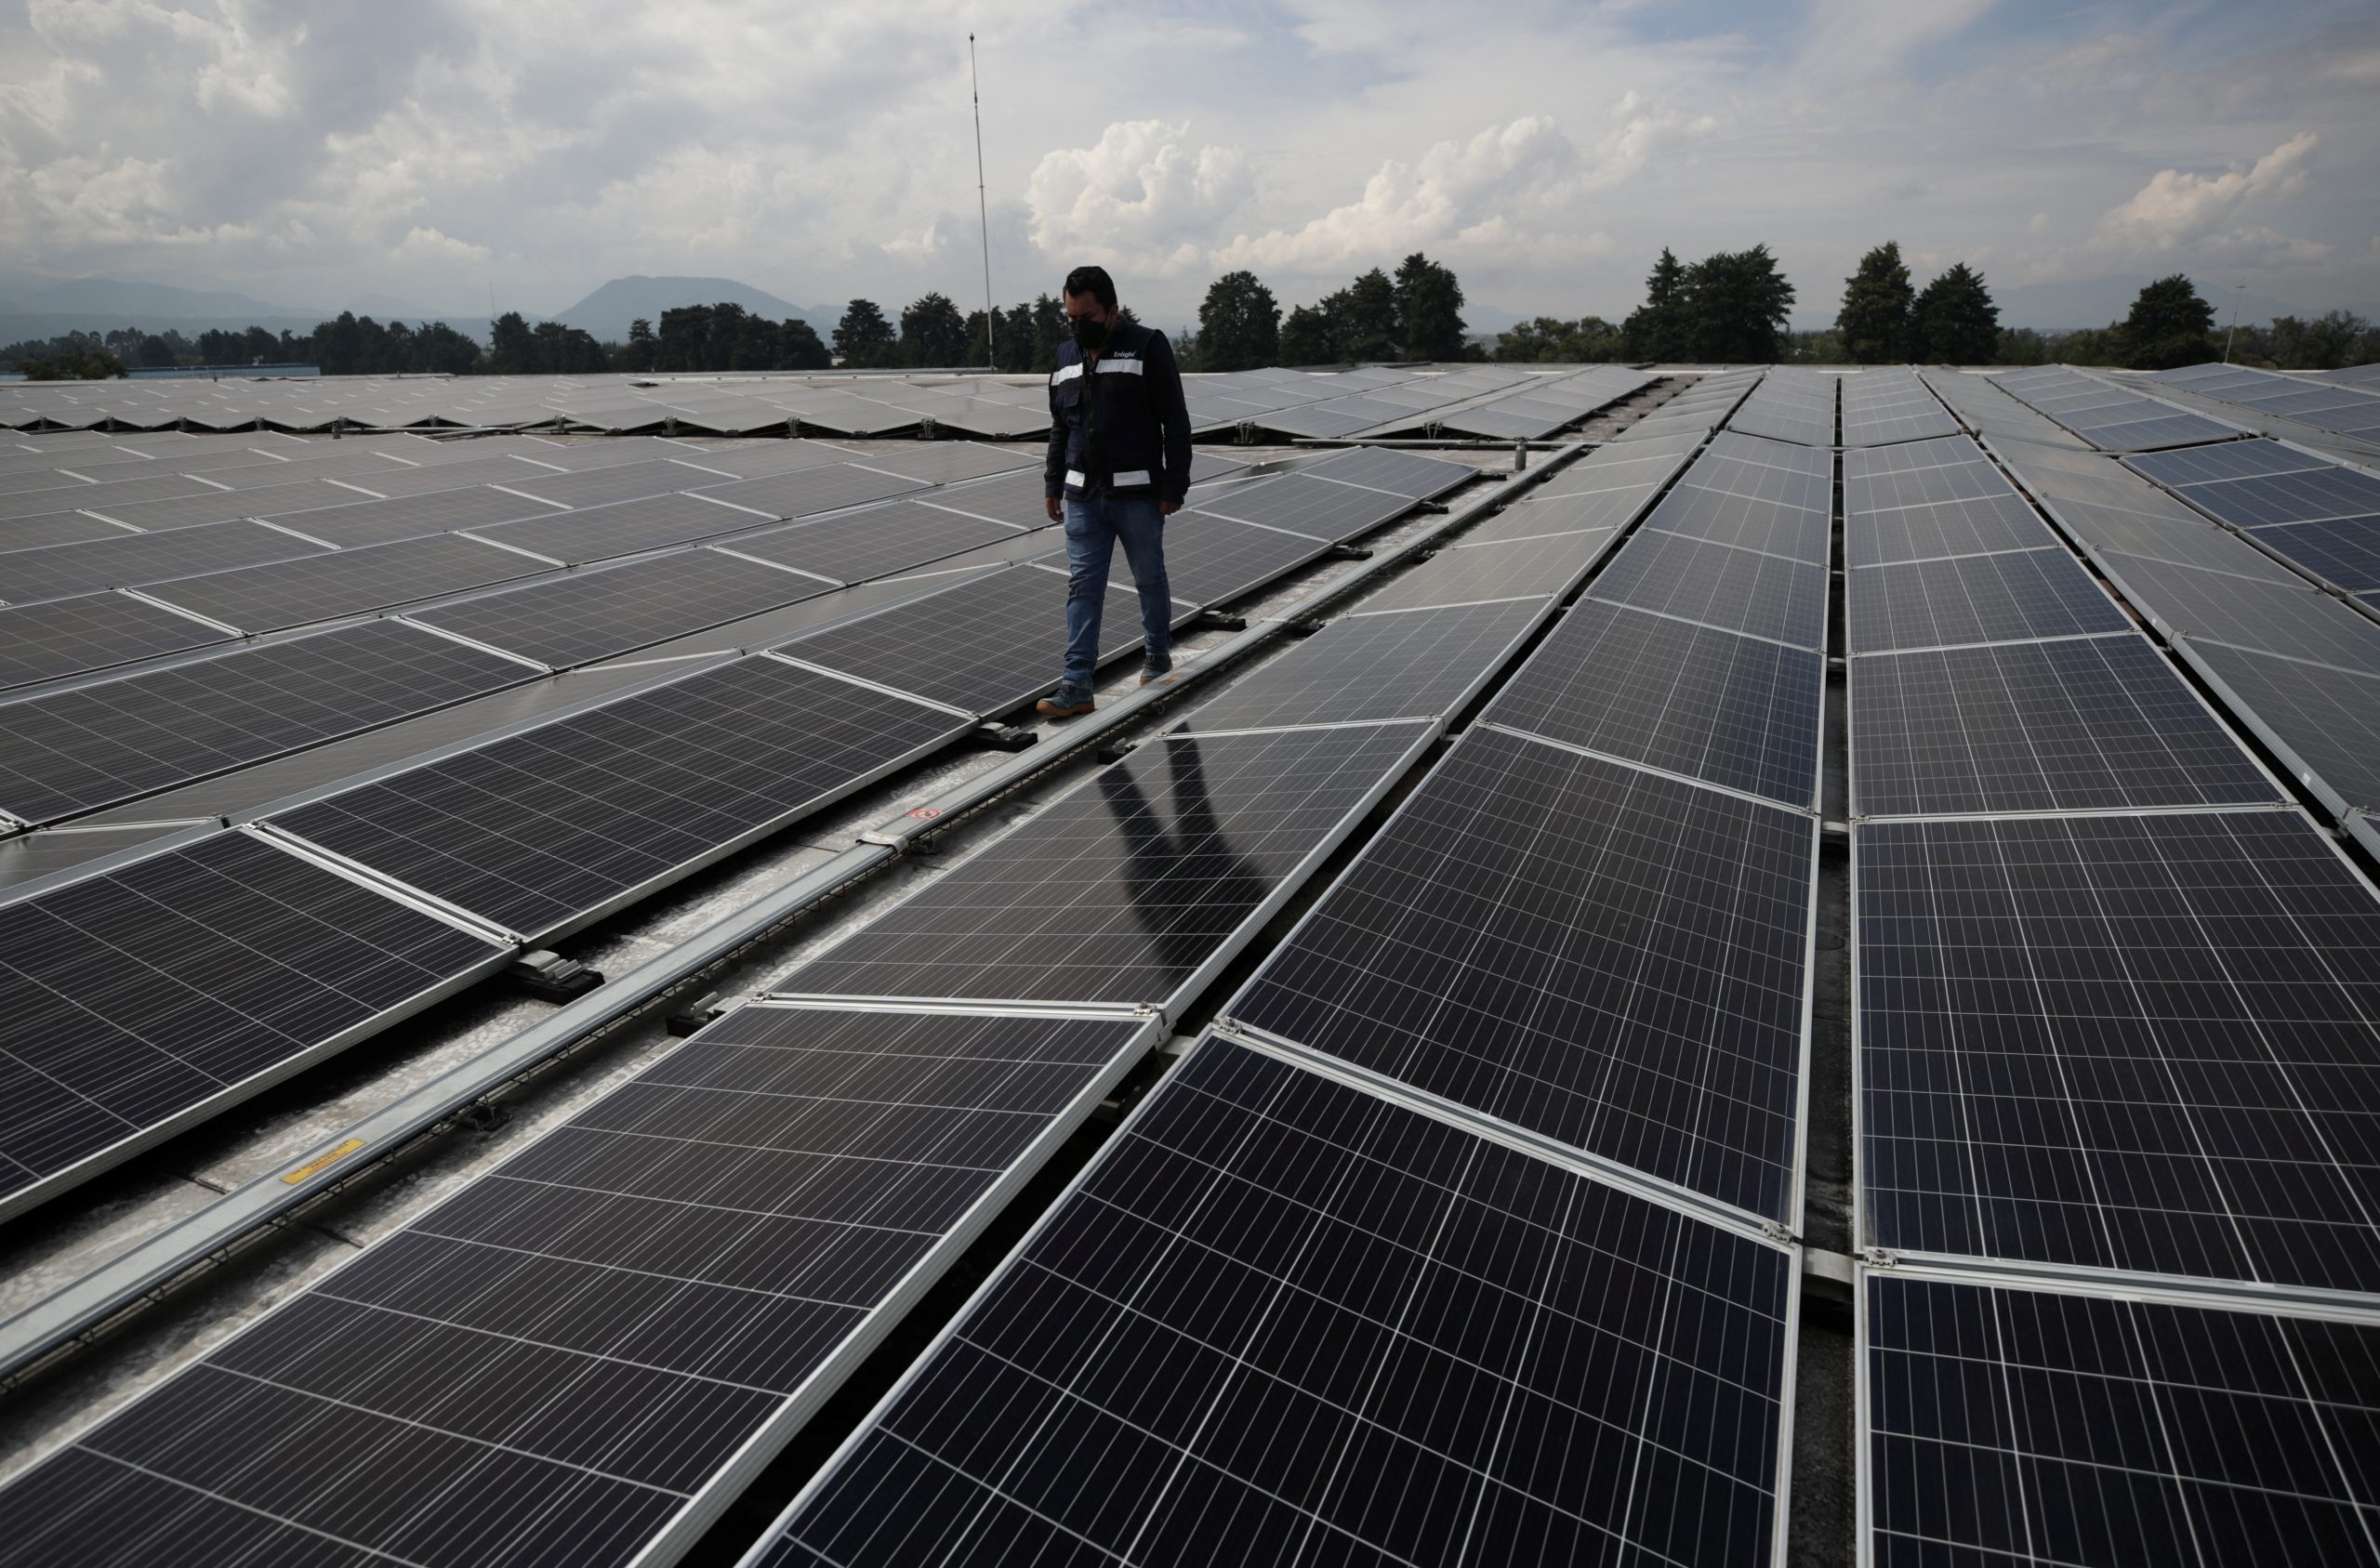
(1120, 424)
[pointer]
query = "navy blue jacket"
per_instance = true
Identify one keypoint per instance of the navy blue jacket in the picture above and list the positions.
(1120, 424)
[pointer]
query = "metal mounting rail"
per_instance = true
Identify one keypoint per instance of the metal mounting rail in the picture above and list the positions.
(143, 1273)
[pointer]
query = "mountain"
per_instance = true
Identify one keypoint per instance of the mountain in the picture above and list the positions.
(116, 297)
(606, 314)
(389, 308)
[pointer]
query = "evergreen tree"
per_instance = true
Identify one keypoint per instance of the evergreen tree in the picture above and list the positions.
(1363, 316)
(1658, 330)
(1955, 321)
(1239, 324)
(1305, 339)
(2168, 328)
(933, 332)
(1049, 331)
(1874, 320)
(1736, 303)
(1547, 340)
(1429, 309)
(864, 337)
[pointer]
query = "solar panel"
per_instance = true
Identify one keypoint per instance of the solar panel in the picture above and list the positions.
(946, 462)
(2343, 552)
(2300, 497)
(1129, 886)
(62, 752)
(1745, 521)
(147, 995)
(1010, 498)
(581, 616)
(1947, 528)
(432, 478)
(1407, 664)
(813, 490)
(1607, 957)
(1686, 698)
(571, 818)
(290, 593)
(2085, 724)
(624, 482)
(982, 646)
(1920, 473)
(2015, 597)
(2041, 1427)
(760, 460)
(1470, 573)
(2236, 459)
(624, 527)
(2128, 1042)
(1210, 560)
(1304, 504)
(53, 528)
(382, 523)
(582, 1355)
(132, 559)
(1279, 1319)
(2328, 719)
(875, 542)
(1412, 475)
(69, 635)
(1718, 584)
(2292, 618)
(75, 496)
(225, 506)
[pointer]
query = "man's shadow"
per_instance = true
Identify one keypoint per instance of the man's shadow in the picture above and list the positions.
(1187, 885)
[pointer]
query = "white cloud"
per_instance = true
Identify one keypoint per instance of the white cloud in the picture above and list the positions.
(2176, 205)
(1140, 193)
(428, 244)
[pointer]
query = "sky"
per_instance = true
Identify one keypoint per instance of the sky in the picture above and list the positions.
(444, 153)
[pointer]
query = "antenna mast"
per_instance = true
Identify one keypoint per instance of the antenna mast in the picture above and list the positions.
(982, 207)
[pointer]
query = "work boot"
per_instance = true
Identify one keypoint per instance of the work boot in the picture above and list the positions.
(1156, 666)
(1065, 702)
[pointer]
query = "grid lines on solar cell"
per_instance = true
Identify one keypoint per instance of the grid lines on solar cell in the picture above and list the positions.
(1313, 1324)
(138, 994)
(54, 528)
(1720, 586)
(1738, 495)
(1881, 406)
(1689, 699)
(1210, 560)
(69, 751)
(875, 542)
(946, 462)
(2033, 1427)
(1511, 569)
(566, 1351)
(1409, 663)
(1122, 888)
(2109, 417)
(1604, 955)
(2084, 724)
(1304, 504)
(2018, 596)
(539, 828)
(983, 645)
(1414, 475)
(290, 593)
(2344, 551)
(2130, 1042)
(581, 616)
(67, 637)
(134, 560)
(624, 527)
(1790, 405)
(813, 490)
(382, 523)
(2293, 618)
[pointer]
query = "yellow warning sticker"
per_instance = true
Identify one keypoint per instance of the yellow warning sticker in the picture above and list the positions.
(324, 1161)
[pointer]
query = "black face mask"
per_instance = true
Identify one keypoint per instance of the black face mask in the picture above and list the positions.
(1091, 333)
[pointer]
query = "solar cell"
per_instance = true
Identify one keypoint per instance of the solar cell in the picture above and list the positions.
(2041, 1427)
(69, 635)
(1718, 584)
(1609, 958)
(624, 527)
(981, 646)
(1537, 517)
(383, 523)
(624, 482)
(62, 752)
(132, 559)
(226, 506)
(143, 996)
(2300, 497)
(2084, 724)
(1948, 528)
(75, 495)
(2328, 720)
(873, 542)
(1413, 475)
(290, 593)
(946, 462)
(1013, 498)
(761, 459)
(574, 1360)
(432, 478)
(54, 528)
(1688, 698)
(1132, 885)
(1304, 504)
(1310, 1324)
(2237, 459)
(813, 490)
(1407, 664)
(2292, 618)
(2127, 1042)
(2014, 596)
(1470, 573)
(582, 617)
(556, 824)
(2343, 552)
(1747, 522)
(1210, 560)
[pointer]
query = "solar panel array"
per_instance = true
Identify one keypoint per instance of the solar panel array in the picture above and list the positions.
(2261, 397)
(2112, 418)
(1789, 404)
(2116, 999)
(1883, 406)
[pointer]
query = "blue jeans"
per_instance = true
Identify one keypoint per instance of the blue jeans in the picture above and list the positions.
(1093, 525)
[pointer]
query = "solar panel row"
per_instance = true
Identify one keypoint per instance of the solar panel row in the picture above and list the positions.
(1791, 406)
(1880, 407)
(2109, 417)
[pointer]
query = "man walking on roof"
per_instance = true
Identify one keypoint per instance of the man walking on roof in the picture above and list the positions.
(1118, 467)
